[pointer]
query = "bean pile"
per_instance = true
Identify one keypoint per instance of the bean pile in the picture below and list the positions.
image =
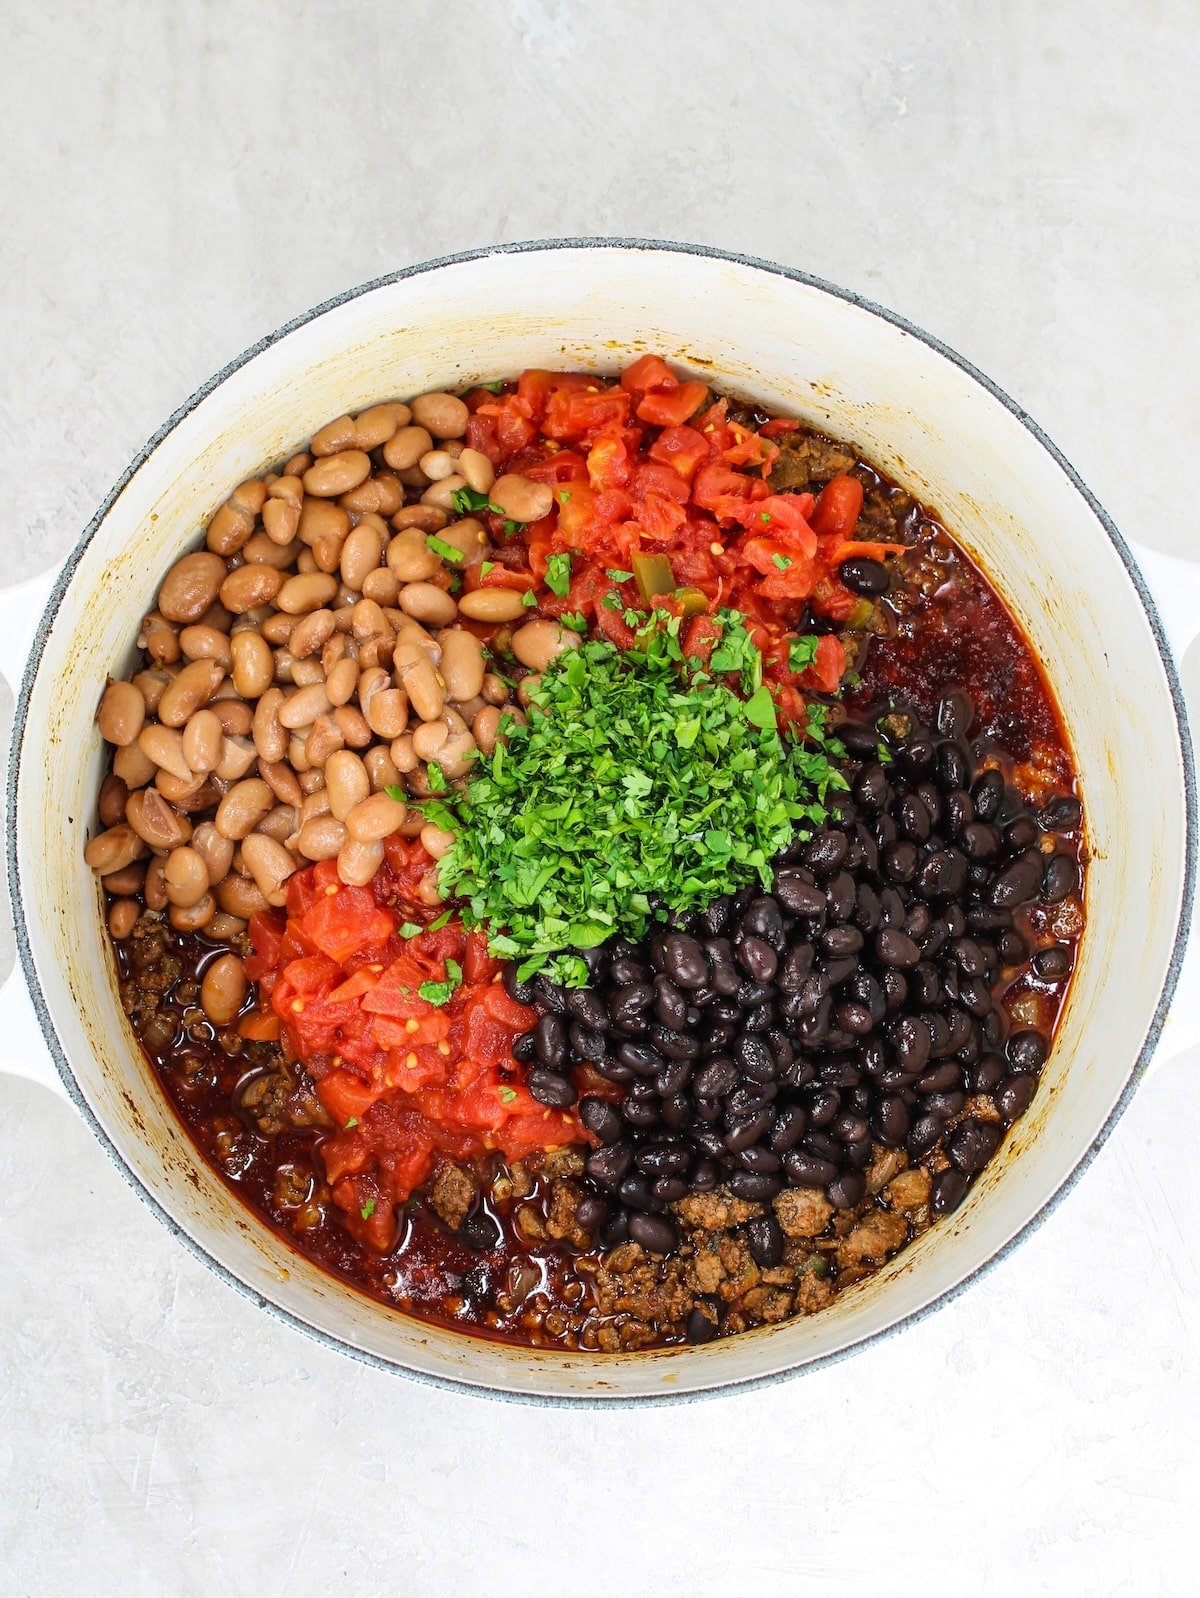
(772, 1040)
(302, 670)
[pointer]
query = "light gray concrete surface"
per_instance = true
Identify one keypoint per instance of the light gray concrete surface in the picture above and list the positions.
(180, 177)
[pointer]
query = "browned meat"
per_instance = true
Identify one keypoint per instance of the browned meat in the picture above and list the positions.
(452, 1194)
(807, 458)
(803, 1212)
(877, 1235)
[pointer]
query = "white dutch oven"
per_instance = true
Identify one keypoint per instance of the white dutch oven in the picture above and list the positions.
(804, 348)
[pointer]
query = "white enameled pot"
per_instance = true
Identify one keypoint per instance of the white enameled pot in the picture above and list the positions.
(801, 347)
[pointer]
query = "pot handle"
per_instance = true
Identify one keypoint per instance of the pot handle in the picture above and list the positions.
(1174, 586)
(24, 1051)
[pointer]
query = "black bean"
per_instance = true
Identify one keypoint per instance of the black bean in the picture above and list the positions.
(673, 1077)
(706, 1174)
(947, 1075)
(600, 1117)
(1061, 878)
(585, 1043)
(1012, 948)
(825, 852)
(984, 918)
(702, 1327)
(1018, 882)
(714, 918)
(636, 1194)
(1020, 833)
(979, 842)
(764, 1236)
(642, 1112)
(588, 1008)
(942, 874)
(754, 1057)
(949, 1190)
(862, 575)
(987, 1071)
(550, 996)
(519, 992)
(614, 1070)
(789, 1128)
(860, 739)
(914, 818)
(871, 787)
(1027, 1052)
(960, 812)
(1014, 1095)
(918, 756)
(1053, 961)
(896, 948)
(748, 1098)
(662, 1159)
(846, 1190)
(591, 1212)
(1061, 815)
(608, 1166)
(627, 972)
(840, 896)
(895, 990)
(953, 766)
(715, 1077)
(549, 1087)
(972, 1143)
(913, 1042)
(988, 794)
(758, 1159)
(891, 1120)
(900, 862)
(685, 961)
(976, 997)
(480, 1231)
(655, 1233)
(755, 1185)
(550, 1041)
(615, 1230)
(525, 1047)
(841, 940)
(955, 715)
(805, 1169)
(758, 959)
(924, 1133)
(674, 1045)
(745, 1133)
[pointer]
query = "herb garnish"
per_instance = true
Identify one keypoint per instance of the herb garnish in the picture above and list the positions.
(558, 575)
(439, 993)
(802, 653)
(640, 785)
(367, 1210)
(439, 546)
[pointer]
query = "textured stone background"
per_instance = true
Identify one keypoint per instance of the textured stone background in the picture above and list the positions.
(179, 177)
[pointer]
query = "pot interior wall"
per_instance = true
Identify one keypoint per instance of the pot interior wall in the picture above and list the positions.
(797, 348)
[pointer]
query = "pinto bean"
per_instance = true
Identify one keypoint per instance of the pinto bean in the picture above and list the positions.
(249, 586)
(322, 838)
(114, 849)
(462, 664)
(337, 474)
(269, 864)
(281, 780)
(341, 682)
(457, 755)
(410, 558)
(240, 896)
(223, 990)
(381, 585)
(352, 725)
(281, 512)
(477, 470)
(373, 819)
(155, 821)
(235, 715)
(539, 642)
(311, 633)
(253, 665)
(436, 840)
(324, 739)
(193, 917)
(441, 494)
(123, 917)
(381, 768)
(164, 746)
(270, 739)
(304, 706)
(387, 713)
(237, 756)
(443, 415)
(185, 875)
(520, 498)
(428, 603)
(110, 805)
(242, 808)
(214, 849)
(366, 431)
(193, 687)
(308, 591)
(279, 823)
(159, 639)
(233, 522)
(491, 605)
(381, 495)
(358, 862)
(485, 728)
(133, 766)
(467, 536)
(203, 741)
(121, 714)
(191, 585)
(346, 783)
(126, 882)
(361, 553)
(204, 642)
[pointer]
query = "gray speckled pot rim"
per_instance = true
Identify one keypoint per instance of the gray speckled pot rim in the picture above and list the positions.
(718, 1389)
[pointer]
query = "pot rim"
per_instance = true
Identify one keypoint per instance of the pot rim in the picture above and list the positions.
(598, 1401)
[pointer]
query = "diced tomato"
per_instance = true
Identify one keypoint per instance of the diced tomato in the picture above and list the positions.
(346, 1096)
(681, 448)
(777, 427)
(564, 466)
(615, 628)
(700, 638)
(652, 477)
(825, 673)
(750, 449)
(648, 372)
(259, 1026)
(838, 507)
(344, 921)
(660, 518)
(575, 417)
(478, 965)
(720, 489)
(608, 463)
(672, 407)
(265, 930)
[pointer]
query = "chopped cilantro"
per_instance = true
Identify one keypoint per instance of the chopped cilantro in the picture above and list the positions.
(507, 1095)
(529, 599)
(637, 774)
(443, 920)
(438, 993)
(782, 561)
(409, 929)
(493, 388)
(351, 1123)
(439, 546)
(802, 653)
(511, 527)
(611, 601)
(884, 753)
(436, 776)
(575, 620)
(368, 1210)
(764, 516)
(565, 497)
(486, 566)
(558, 575)
(619, 576)
(393, 792)
(466, 500)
